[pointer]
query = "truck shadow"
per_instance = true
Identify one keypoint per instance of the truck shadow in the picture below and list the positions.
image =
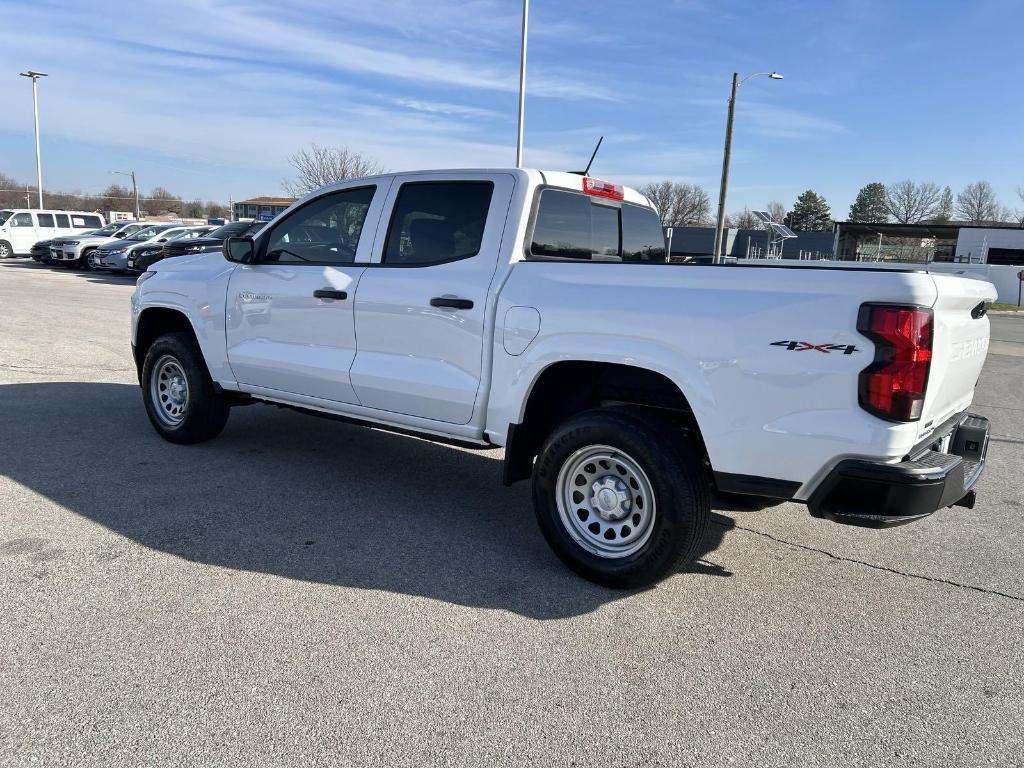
(298, 497)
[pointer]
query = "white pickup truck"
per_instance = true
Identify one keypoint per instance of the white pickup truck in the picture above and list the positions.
(535, 311)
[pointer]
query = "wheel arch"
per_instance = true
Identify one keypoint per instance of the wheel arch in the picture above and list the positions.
(566, 387)
(153, 323)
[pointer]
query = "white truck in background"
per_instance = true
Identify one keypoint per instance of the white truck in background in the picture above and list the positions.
(536, 311)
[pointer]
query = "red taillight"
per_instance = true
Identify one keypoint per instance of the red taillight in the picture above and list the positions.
(599, 188)
(894, 385)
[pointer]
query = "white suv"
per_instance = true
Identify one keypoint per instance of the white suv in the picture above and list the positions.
(21, 228)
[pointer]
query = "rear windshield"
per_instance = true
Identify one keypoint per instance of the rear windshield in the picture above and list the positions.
(571, 225)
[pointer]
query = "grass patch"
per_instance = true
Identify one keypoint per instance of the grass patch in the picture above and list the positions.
(1001, 307)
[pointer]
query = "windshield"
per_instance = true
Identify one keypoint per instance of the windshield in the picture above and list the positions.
(4, 216)
(230, 230)
(145, 234)
(107, 230)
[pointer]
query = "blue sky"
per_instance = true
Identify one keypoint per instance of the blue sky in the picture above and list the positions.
(209, 98)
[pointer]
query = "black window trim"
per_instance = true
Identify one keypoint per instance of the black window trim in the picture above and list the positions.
(532, 224)
(394, 210)
(265, 234)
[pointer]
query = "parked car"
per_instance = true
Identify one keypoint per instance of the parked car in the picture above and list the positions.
(535, 311)
(21, 228)
(41, 251)
(143, 257)
(75, 251)
(213, 240)
(114, 255)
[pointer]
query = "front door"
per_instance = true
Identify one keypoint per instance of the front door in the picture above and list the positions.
(422, 305)
(290, 321)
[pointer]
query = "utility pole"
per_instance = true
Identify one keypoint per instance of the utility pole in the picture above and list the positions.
(727, 156)
(35, 111)
(522, 84)
(135, 191)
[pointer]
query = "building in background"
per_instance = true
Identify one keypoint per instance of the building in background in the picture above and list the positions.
(925, 243)
(260, 208)
(697, 244)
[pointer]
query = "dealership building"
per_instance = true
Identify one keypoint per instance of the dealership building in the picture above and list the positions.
(260, 208)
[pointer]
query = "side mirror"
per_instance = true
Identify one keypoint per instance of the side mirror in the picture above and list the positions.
(239, 249)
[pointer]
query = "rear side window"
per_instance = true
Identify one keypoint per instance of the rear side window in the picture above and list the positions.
(437, 221)
(62, 220)
(45, 219)
(86, 222)
(575, 226)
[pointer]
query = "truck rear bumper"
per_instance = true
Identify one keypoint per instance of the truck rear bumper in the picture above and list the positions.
(878, 495)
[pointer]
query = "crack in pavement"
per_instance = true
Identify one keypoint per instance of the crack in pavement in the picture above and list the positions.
(885, 569)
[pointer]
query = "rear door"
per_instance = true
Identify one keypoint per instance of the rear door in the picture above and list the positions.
(290, 322)
(421, 306)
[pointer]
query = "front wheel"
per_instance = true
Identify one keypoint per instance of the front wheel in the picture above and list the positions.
(5, 249)
(621, 498)
(179, 395)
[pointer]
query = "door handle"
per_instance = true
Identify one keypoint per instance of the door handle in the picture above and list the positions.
(451, 302)
(329, 293)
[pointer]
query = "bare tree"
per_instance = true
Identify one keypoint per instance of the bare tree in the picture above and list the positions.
(193, 209)
(318, 166)
(776, 210)
(911, 203)
(679, 205)
(745, 219)
(977, 203)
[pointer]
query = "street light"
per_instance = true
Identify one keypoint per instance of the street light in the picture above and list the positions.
(522, 85)
(720, 229)
(135, 190)
(35, 110)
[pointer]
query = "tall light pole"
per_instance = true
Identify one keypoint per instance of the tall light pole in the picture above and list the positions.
(35, 109)
(135, 190)
(522, 84)
(720, 228)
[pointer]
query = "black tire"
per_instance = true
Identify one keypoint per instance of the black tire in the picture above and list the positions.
(676, 479)
(204, 412)
(83, 261)
(6, 251)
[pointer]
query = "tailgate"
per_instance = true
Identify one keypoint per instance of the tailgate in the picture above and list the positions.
(960, 343)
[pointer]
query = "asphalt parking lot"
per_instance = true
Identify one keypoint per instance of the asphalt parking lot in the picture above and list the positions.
(303, 592)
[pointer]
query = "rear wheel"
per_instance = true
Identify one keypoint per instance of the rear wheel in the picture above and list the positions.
(179, 395)
(621, 498)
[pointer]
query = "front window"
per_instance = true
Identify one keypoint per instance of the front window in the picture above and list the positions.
(324, 232)
(22, 220)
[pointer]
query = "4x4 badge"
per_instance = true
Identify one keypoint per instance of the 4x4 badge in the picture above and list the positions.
(803, 346)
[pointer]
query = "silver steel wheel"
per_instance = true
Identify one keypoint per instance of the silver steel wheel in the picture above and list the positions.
(168, 391)
(605, 501)
(5, 250)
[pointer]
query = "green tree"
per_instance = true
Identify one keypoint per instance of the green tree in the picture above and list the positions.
(944, 213)
(811, 213)
(871, 205)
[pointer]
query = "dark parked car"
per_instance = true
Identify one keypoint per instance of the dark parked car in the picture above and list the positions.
(142, 256)
(211, 242)
(41, 251)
